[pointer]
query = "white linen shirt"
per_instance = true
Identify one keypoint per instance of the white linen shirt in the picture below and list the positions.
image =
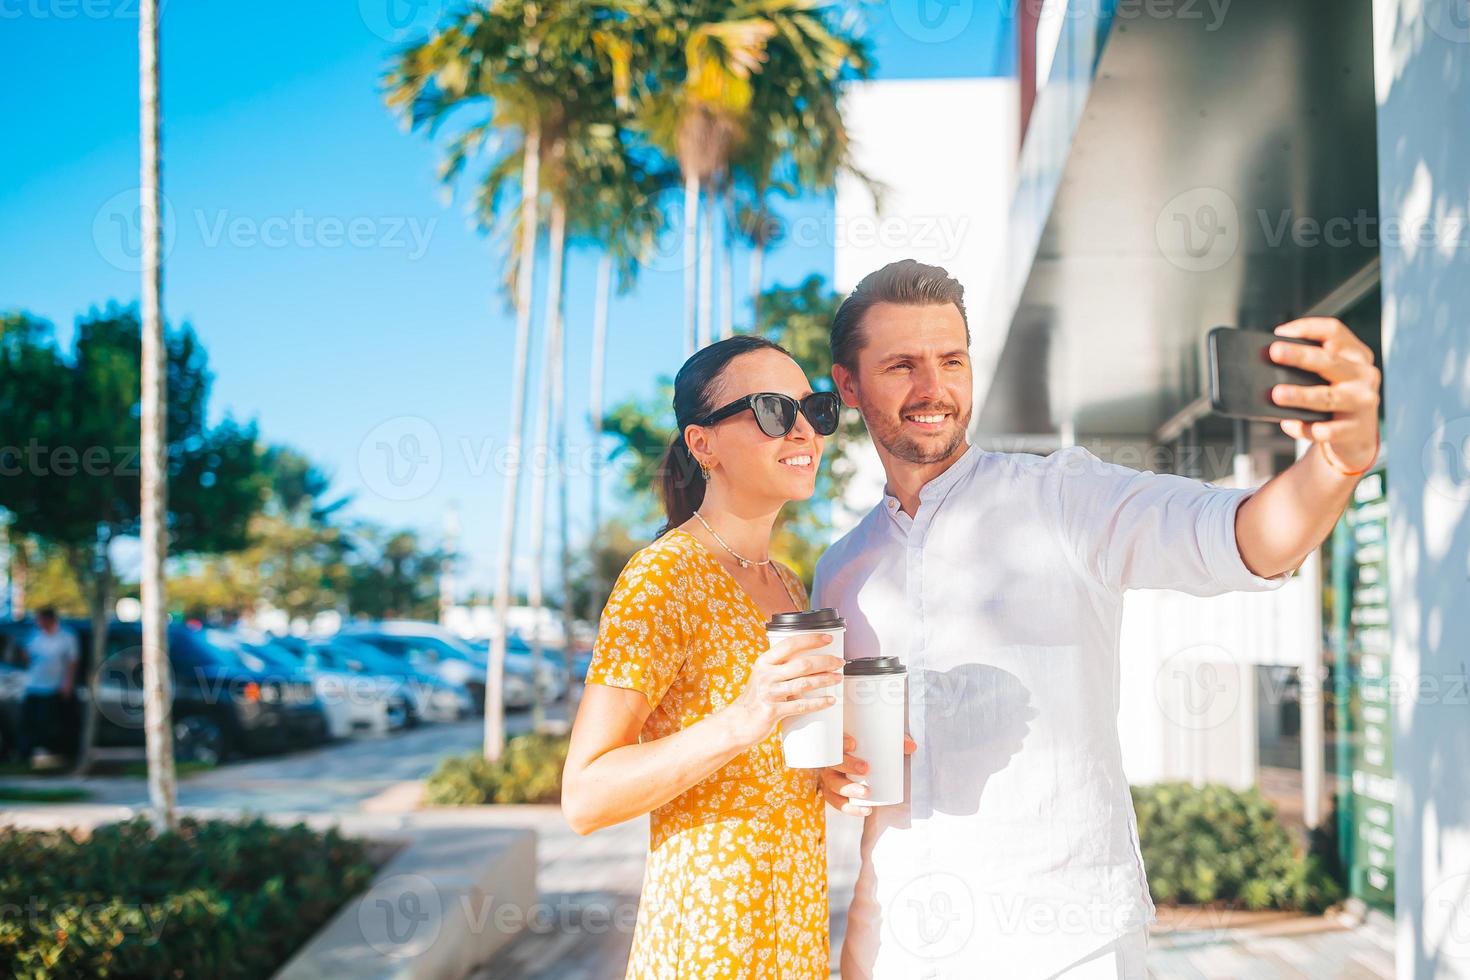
(1016, 853)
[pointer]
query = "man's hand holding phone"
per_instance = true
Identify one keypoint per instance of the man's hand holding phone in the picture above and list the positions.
(1350, 438)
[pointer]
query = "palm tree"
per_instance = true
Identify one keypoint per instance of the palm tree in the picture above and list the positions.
(738, 71)
(542, 70)
(493, 55)
(157, 699)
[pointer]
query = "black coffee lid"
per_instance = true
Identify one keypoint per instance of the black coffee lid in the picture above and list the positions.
(811, 619)
(864, 666)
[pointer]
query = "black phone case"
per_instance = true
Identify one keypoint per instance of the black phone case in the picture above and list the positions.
(1242, 375)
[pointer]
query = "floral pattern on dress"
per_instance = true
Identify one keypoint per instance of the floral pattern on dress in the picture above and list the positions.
(736, 880)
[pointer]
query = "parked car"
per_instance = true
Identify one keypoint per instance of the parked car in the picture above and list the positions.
(552, 678)
(222, 706)
(427, 698)
(433, 650)
(351, 702)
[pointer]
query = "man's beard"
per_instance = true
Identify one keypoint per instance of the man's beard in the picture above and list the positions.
(888, 433)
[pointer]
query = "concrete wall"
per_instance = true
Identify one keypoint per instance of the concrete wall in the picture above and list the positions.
(1422, 69)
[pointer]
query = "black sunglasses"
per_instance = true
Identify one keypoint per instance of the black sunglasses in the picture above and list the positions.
(776, 413)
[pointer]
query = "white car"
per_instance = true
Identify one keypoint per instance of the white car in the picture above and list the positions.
(430, 648)
(353, 703)
(427, 698)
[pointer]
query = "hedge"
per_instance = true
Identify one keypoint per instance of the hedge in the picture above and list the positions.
(213, 898)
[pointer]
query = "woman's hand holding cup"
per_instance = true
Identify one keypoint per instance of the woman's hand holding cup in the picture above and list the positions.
(779, 680)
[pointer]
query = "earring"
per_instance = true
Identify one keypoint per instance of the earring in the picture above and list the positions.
(704, 469)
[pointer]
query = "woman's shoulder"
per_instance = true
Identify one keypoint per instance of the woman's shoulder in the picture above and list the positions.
(667, 555)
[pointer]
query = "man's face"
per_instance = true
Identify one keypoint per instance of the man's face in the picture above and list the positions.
(913, 382)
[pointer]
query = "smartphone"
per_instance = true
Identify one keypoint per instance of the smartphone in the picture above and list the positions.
(1242, 375)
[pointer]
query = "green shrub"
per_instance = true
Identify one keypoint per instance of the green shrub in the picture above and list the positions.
(529, 771)
(212, 899)
(1213, 844)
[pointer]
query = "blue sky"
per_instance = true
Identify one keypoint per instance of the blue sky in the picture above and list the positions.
(347, 307)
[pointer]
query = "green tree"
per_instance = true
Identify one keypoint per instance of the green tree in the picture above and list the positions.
(70, 434)
(392, 576)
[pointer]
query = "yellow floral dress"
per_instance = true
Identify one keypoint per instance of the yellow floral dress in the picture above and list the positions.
(736, 880)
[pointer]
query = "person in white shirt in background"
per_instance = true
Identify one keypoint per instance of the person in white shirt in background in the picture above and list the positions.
(998, 578)
(51, 663)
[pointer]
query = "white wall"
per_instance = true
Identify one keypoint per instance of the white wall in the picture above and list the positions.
(944, 151)
(1422, 68)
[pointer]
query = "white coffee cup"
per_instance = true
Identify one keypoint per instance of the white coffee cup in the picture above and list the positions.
(875, 699)
(812, 740)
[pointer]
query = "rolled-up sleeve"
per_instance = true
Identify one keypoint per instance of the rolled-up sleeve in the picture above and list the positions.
(1143, 530)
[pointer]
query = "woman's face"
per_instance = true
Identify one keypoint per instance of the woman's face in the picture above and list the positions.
(750, 461)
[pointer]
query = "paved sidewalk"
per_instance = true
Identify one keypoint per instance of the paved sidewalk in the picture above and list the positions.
(589, 888)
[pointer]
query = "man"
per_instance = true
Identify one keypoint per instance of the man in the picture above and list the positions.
(999, 579)
(51, 663)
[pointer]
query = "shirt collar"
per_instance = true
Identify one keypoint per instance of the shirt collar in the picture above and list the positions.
(937, 488)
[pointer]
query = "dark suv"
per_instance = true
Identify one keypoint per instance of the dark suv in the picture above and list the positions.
(222, 705)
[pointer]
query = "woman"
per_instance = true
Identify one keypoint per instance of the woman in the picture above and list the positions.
(683, 699)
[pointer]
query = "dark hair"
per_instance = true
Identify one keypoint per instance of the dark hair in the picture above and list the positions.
(906, 282)
(47, 613)
(696, 387)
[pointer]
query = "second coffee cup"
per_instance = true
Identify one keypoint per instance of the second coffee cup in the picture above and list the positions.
(812, 740)
(875, 699)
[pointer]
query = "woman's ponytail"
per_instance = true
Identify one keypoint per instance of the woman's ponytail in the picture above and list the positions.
(681, 485)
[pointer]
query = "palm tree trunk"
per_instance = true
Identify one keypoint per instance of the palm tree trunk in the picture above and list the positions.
(757, 259)
(520, 382)
(594, 402)
(559, 413)
(691, 241)
(157, 696)
(706, 261)
(727, 264)
(541, 458)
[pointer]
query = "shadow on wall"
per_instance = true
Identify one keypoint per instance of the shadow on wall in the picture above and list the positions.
(1423, 75)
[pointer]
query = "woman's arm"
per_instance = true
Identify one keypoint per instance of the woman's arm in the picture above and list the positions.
(610, 776)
